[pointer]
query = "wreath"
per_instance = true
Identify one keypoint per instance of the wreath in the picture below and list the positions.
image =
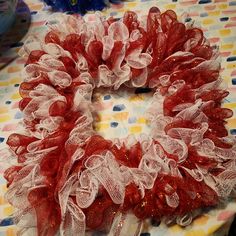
(68, 179)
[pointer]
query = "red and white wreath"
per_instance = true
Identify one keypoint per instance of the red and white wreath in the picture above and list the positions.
(69, 180)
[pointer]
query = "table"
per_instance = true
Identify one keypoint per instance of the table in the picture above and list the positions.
(218, 20)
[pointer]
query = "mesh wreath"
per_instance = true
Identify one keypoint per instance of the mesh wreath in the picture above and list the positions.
(68, 179)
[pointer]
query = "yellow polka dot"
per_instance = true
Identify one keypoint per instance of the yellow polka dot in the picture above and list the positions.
(4, 83)
(176, 229)
(170, 6)
(3, 110)
(231, 66)
(197, 232)
(15, 96)
(207, 21)
(213, 229)
(2, 200)
(231, 122)
(13, 69)
(229, 105)
(141, 120)
(224, 32)
(136, 98)
(227, 79)
(101, 126)
(121, 116)
(214, 13)
(234, 52)
(132, 4)
(4, 188)
(104, 117)
(8, 210)
(15, 80)
(222, 6)
(226, 46)
(121, 10)
(201, 220)
(4, 118)
(11, 232)
(135, 129)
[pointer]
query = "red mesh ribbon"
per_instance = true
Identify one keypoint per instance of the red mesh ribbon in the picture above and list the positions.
(76, 180)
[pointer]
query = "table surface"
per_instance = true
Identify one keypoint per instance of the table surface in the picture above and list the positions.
(218, 20)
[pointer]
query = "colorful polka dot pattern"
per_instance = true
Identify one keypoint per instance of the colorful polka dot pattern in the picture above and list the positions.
(122, 113)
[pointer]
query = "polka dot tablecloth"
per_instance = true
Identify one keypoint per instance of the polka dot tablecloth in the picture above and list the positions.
(122, 112)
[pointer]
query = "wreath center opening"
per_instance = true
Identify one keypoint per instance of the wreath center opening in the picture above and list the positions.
(123, 112)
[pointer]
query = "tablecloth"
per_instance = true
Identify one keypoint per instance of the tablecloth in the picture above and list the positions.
(119, 115)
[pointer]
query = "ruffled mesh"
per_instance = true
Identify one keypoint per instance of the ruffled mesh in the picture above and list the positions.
(72, 180)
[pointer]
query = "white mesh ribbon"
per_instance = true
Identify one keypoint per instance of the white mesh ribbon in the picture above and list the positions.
(165, 152)
(86, 189)
(65, 192)
(55, 50)
(107, 171)
(73, 222)
(138, 60)
(43, 97)
(82, 98)
(25, 179)
(172, 199)
(82, 130)
(173, 146)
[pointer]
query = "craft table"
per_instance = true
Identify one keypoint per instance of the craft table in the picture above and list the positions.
(218, 20)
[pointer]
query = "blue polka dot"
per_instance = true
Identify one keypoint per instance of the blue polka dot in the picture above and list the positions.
(207, 209)
(231, 59)
(233, 131)
(232, 3)
(34, 12)
(204, 1)
(188, 19)
(234, 81)
(119, 107)
(2, 139)
(229, 39)
(18, 115)
(8, 102)
(204, 14)
(145, 234)
(96, 233)
(142, 90)
(224, 18)
(114, 124)
(132, 120)
(113, 13)
(155, 223)
(7, 222)
(107, 97)
(16, 85)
